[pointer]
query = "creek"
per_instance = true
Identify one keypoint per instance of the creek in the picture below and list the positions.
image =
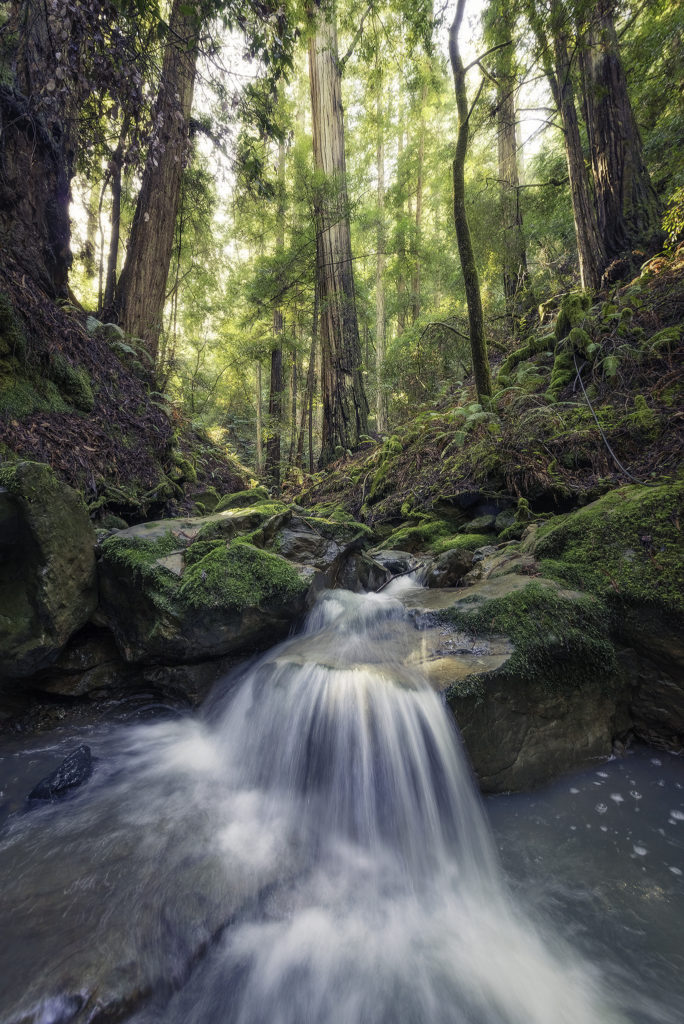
(311, 849)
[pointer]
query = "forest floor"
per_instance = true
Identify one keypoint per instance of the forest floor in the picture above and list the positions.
(77, 395)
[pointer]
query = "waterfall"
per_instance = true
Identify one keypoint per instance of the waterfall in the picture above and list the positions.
(394, 912)
(310, 849)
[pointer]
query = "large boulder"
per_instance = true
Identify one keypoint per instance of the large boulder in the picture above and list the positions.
(545, 694)
(205, 587)
(47, 567)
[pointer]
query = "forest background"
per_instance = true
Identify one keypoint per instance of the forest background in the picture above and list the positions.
(191, 182)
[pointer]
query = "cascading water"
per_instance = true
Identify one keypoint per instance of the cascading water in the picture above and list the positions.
(311, 852)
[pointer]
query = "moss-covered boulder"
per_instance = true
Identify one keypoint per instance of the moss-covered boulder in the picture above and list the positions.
(628, 549)
(557, 702)
(47, 567)
(178, 590)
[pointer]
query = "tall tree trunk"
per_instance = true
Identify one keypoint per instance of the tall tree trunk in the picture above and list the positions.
(113, 259)
(275, 407)
(259, 424)
(36, 131)
(293, 409)
(380, 324)
(345, 407)
(627, 208)
(141, 290)
(557, 68)
(478, 345)
(415, 279)
(401, 233)
(275, 404)
(515, 277)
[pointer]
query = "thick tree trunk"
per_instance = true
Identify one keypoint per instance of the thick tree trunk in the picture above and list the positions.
(515, 277)
(141, 290)
(113, 259)
(478, 345)
(380, 324)
(557, 68)
(590, 249)
(36, 130)
(626, 203)
(345, 408)
(401, 231)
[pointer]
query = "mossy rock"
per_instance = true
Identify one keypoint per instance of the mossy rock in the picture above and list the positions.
(242, 499)
(421, 537)
(175, 594)
(554, 703)
(72, 381)
(47, 569)
(626, 547)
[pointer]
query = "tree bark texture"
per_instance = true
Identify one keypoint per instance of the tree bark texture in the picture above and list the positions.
(275, 404)
(478, 345)
(141, 290)
(627, 207)
(415, 278)
(275, 408)
(380, 324)
(345, 407)
(36, 129)
(515, 277)
(259, 424)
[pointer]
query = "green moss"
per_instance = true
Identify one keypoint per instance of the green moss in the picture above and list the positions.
(627, 546)
(562, 373)
(420, 537)
(548, 629)
(242, 499)
(183, 470)
(12, 338)
(21, 395)
(572, 313)
(73, 382)
(238, 577)
(462, 541)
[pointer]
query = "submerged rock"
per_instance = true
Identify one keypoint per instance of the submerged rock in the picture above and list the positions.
(75, 769)
(47, 567)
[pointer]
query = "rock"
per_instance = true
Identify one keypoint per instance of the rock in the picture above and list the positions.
(447, 570)
(504, 520)
(228, 597)
(396, 562)
(551, 698)
(75, 769)
(47, 572)
(481, 524)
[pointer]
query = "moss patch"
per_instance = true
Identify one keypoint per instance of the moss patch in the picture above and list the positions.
(242, 499)
(627, 546)
(238, 577)
(462, 541)
(549, 628)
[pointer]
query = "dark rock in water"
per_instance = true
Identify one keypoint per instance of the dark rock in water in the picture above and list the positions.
(447, 569)
(75, 769)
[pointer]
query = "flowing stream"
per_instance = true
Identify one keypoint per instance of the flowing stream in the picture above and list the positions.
(312, 850)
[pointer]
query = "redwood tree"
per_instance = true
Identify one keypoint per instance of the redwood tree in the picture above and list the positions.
(345, 407)
(627, 209)
(141, 289)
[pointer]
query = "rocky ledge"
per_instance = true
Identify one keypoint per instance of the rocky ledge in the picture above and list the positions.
(549, 648)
